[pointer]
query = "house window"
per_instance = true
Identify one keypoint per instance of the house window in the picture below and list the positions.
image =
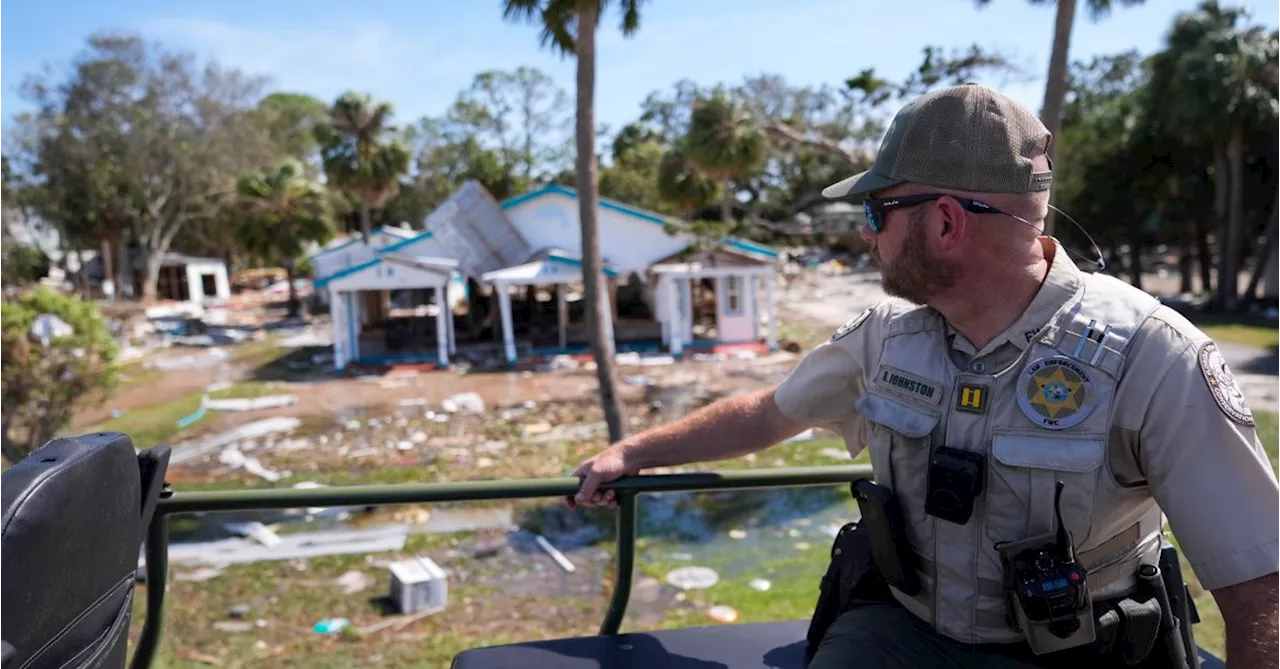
(733, 295)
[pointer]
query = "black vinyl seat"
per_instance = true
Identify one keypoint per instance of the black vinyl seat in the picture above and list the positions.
(758, 645)
(764, 645)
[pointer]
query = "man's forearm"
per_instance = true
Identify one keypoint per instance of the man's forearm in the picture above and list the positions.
(726, 429)
(1250, 613)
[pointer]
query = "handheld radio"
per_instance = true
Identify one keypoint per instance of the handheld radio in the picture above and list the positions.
(1047, 589)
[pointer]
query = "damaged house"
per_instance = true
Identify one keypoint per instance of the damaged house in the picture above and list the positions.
(509, 275)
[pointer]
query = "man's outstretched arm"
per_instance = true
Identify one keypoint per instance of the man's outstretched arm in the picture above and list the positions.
(820, 391)
(729, 428)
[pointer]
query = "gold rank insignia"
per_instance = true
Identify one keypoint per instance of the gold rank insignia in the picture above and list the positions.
(972, 398)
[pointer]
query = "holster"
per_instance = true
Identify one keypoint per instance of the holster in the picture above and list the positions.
(850, 575)
(1151, 627)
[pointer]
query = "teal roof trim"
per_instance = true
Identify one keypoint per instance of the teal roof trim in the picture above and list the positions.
(355, 238)
(322, 282)
(750, 247)
(554, 189)
(574, 262)
(427, 234)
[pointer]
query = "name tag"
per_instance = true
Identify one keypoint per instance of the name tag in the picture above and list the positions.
(908, 385)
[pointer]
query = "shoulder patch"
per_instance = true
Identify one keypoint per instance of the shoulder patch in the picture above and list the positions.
(1226, 392)
(851, 325)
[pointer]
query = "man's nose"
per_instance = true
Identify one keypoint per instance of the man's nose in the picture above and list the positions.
(867, 235)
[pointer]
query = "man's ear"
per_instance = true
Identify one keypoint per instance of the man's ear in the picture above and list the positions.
(952, 223)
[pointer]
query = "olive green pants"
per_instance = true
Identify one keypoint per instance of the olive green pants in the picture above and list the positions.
(878, 635)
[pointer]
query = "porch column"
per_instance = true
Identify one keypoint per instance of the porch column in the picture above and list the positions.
(674, 316)
(773, 321)
(448, 320)
(442, 327)
(658, 300)
(686, 310)
(338, 322)
(562, 315)
(610, 345)
(753, 304)
(508, 337)
(355, 314)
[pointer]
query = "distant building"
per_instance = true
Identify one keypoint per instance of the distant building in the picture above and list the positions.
(517, 267)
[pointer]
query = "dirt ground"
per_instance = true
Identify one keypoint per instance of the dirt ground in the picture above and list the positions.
(813, 302)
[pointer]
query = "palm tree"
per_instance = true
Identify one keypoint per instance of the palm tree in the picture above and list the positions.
(358, 156)
(281, 212)
(1055, 85)
(1216, 80)
(725, 143)
(569, 27)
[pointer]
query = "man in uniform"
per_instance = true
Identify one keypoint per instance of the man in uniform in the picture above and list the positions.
(996, 346)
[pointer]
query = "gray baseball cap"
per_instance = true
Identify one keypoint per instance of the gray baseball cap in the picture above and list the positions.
(967, 138)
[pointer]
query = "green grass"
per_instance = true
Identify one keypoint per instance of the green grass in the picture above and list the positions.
(159, 423)
(291, 596)
(807, 335)
(1239, 329)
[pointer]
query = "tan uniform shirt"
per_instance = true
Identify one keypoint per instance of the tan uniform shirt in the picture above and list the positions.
(1180, 428)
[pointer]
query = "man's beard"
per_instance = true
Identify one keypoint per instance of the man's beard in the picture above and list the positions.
(916, 275)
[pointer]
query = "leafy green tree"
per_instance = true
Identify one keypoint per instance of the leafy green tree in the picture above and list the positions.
(291, 120)
(569, 27)
(42, 383)
(725, 143)
(359, 156)
(1055, 86)
(23, 263)
(282, 212)
(1217, 79)
(140, 139)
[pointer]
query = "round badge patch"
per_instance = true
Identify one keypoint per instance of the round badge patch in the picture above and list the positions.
(1055, 392)
(850, 325)
(1226, 392)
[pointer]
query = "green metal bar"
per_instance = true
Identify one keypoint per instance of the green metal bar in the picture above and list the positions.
(157, 584)
(627, 489)
(367, 495)
(628, 508)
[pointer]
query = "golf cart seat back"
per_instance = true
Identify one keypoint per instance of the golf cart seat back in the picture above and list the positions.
(75, 513)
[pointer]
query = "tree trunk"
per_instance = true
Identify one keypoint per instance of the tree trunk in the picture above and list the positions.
(293, 290)
(152, 276)
(1187, 261)
(1135, 256)
(364, 219)
(1203, 257)
(1229, 278)
(107, 266)
(1266, 258)
(1055, 87)
(726, 205)
(592, 274)
(123, 271)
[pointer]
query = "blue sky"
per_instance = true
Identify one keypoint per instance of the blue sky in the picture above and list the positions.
(420, 53)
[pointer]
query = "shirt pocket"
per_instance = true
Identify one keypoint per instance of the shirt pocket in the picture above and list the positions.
(900, 438)
(1023, 471)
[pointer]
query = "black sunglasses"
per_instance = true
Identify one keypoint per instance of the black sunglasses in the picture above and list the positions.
(877, 207)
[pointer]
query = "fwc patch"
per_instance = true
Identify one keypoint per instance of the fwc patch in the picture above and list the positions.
(850, 325)
(1055, 392)
(971, 398)
(1226, 392)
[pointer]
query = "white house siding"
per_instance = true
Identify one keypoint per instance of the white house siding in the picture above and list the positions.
(627, 243)
(352, 252)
